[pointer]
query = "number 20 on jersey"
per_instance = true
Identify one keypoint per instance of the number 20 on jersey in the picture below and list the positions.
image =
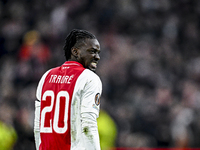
(54, 125)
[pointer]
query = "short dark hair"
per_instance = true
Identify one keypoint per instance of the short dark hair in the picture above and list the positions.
(74, 37)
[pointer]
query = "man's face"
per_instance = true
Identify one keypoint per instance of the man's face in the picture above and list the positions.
(88, 54)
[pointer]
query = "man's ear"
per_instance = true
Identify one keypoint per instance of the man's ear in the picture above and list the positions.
(74, 52)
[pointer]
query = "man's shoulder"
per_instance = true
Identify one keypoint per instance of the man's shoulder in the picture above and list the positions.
(91, 77)
(90, 74)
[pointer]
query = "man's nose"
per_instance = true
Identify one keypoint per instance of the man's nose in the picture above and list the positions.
(97, 57)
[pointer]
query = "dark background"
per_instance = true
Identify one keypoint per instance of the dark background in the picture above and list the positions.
(150, 64)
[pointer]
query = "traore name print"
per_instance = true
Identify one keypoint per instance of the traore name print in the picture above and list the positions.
(61, 79)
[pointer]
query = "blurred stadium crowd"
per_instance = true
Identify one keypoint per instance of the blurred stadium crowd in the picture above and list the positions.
(150, 66)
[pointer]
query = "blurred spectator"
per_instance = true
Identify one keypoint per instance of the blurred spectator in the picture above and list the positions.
(33, 48)
(34, 55)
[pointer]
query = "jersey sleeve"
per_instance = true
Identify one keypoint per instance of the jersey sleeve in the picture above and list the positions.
(91, 95)
(90, 111)
(37, 125)
(37, 111)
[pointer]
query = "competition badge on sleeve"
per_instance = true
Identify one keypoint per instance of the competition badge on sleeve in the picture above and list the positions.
(97, 99)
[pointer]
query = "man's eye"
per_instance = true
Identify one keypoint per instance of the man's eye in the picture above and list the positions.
(92, 51)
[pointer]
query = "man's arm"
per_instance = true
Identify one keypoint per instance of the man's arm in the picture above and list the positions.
(37, 111)
(37, 124)
(90, 131)
(90, 112)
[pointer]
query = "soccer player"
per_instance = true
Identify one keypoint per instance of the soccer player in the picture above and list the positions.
(68, 98)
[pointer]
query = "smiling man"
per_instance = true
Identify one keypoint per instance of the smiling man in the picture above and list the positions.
(68, 98)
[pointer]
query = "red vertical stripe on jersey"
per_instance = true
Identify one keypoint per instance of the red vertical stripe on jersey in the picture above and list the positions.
(58, 79)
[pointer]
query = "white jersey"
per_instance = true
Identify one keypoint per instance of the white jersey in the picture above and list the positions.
(68, 106)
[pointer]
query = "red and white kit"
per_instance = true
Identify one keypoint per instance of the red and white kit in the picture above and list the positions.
(67, 109)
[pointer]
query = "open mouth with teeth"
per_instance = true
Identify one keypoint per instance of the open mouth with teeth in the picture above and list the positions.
(93, 65)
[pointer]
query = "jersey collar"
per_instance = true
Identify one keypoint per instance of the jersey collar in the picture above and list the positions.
(73, 63)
